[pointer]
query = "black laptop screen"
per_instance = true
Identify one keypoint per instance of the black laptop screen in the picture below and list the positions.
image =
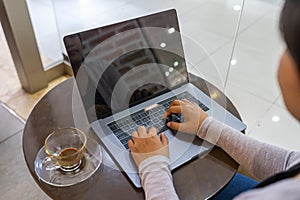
(124, 64)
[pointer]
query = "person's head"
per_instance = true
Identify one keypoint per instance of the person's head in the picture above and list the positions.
(289, 67)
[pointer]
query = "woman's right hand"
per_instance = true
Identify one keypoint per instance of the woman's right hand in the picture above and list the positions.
(193, 116)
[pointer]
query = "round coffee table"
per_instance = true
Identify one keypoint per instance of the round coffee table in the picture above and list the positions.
(198, 179)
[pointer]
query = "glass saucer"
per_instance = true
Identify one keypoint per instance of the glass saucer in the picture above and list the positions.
(56, 177)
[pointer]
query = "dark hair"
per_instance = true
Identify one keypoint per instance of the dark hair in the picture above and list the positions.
(290, 28)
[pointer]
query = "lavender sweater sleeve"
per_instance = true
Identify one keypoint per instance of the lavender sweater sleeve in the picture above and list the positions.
(157, 179)
(261, 159)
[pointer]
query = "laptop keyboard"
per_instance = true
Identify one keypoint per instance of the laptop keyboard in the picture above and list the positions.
(123, 127)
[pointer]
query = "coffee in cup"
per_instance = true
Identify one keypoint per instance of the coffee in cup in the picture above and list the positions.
(65, 148)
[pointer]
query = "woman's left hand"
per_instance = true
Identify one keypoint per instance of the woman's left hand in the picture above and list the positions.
(147, 144)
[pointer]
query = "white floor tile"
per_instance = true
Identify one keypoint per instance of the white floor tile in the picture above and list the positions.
(213, 16)
(250, 107)
(284, 133)
(87, 9)
(205, 41)
(199, 57)
(181, 7)
(264, 36)
(208, 41)
(255, 71)
(214, 67)
(256, 9)
(121, 13)
(280, 102)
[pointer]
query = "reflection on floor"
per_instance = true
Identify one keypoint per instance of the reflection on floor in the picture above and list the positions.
(251, 85)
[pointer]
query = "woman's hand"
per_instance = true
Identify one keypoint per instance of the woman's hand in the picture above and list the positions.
(146, 144)
(193, 116)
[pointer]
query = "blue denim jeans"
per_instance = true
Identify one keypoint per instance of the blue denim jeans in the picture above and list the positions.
(237, 185)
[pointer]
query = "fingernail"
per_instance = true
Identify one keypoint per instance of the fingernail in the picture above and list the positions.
(169, 123)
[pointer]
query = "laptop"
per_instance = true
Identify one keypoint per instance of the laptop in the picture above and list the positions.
(127, 74)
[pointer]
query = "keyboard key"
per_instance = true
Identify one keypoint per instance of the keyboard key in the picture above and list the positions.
(127, 121)
(203, 107)
(122, 136)
(155, 120)
(135, 118)
(131, 130)
(119, 123)
(139, 122)
(145, 120)
(158, 114)
(125, 140)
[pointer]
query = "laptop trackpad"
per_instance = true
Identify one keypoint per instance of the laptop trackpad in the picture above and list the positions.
(183, 147)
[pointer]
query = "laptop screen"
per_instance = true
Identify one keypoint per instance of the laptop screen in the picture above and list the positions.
(124, 64)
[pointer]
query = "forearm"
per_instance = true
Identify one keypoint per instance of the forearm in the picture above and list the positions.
(157, 179)
(261, 159)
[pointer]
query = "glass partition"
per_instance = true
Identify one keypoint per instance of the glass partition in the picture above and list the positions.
(252, 78)
(206, 26)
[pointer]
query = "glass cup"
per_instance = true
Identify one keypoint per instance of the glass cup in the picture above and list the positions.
(67, 158)
(65, 148)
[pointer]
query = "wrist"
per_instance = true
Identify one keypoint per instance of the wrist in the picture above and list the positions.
(202, 130)
(202, 118)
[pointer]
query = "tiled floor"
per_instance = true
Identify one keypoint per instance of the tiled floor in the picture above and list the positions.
(207, 25)
(16, 181)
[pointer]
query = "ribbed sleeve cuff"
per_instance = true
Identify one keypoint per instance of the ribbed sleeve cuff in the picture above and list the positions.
(210, 130)
(154, 163)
